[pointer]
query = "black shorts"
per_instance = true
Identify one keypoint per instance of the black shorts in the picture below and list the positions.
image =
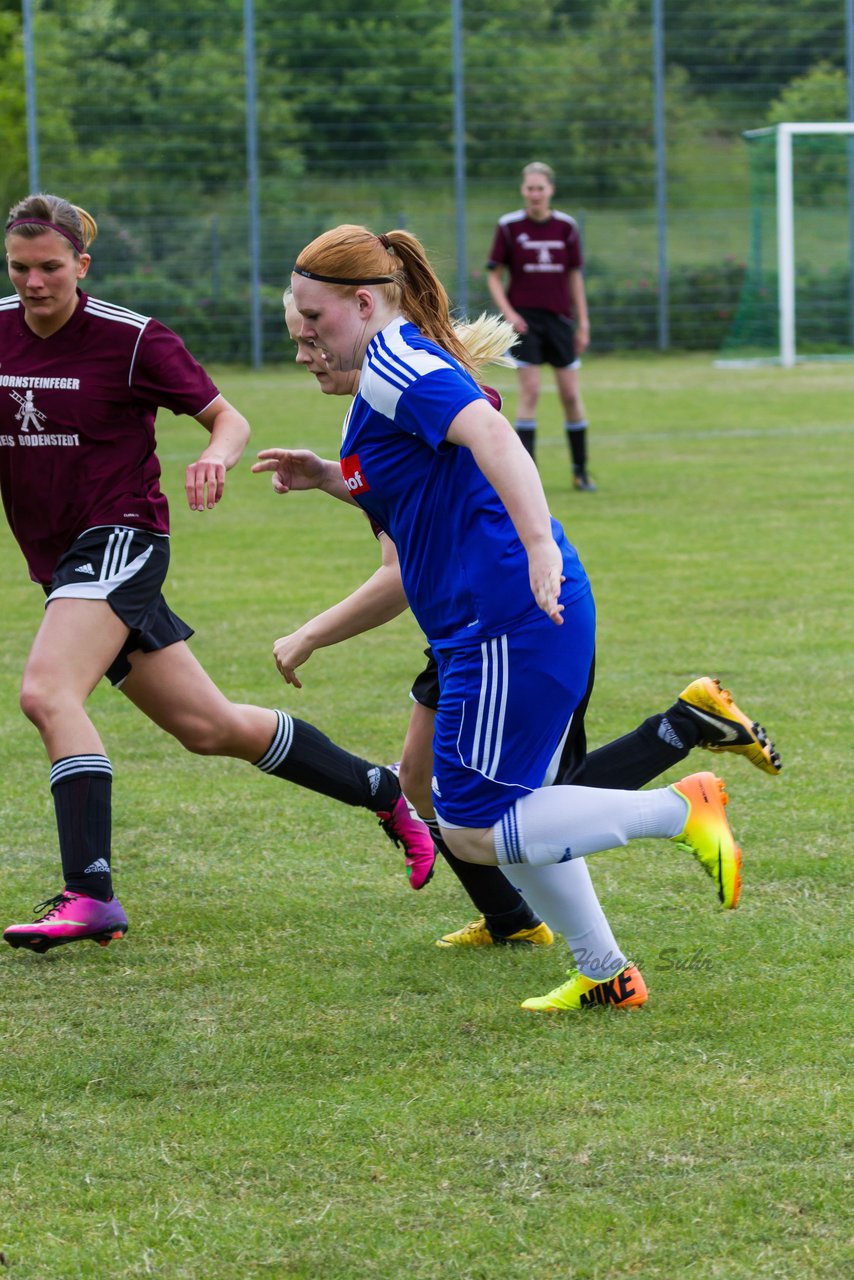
(127, 568)
(574, 751)
(550, 340)
(425, 689)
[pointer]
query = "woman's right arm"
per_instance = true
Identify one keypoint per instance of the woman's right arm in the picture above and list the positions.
(375, 602)
(495, 284)
(302, 469)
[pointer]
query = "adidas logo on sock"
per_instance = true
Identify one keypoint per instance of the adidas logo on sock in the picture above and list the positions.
(85, 568)
(374, 778)
(668, 734)
(99, 867)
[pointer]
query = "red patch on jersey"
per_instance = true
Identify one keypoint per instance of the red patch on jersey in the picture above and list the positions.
(493, 396)
(354, 477)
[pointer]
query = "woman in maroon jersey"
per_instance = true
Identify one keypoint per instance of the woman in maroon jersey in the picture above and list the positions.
(539, 249)
(80, 384)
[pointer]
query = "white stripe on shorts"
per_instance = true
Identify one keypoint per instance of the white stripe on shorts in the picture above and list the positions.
(491, 708)
(115, 554)
(115, 569)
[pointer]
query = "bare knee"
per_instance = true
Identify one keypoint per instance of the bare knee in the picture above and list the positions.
(529, 391)
(40, 701)
(201, 737)
(225, 729)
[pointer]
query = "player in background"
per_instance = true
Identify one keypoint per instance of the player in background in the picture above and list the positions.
(704, 714)
(80, 485)
(537, 251)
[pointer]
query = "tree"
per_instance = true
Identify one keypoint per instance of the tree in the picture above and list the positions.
(159, 122)
(747, 50)
(577, 97)
(370, 87)
(821, 162)
(820, 95)
(13, 125)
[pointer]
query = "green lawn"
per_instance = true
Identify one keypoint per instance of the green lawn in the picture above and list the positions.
(277, 1073)
(620, 237)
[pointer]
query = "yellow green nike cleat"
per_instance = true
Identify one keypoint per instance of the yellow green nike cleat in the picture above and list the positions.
(626, 990)
(707, 833)
(725, 726)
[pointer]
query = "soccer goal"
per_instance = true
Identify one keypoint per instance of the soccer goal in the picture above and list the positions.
(797, 302)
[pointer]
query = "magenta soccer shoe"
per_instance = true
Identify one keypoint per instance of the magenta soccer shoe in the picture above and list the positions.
(405, 830)
(70, 917)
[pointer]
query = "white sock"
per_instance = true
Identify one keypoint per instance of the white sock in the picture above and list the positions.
(556, 824)
(564, 896)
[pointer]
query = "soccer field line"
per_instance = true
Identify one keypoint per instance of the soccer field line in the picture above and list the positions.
(735, 433)
(605, 436)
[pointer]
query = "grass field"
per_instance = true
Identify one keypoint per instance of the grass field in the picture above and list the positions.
(277, 1073)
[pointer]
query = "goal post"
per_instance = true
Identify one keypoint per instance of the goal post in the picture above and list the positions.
(765, 328)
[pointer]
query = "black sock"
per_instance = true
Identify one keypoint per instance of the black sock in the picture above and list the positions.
(576, 438)
(632, 761)
(526, 431)
(301, 754)
(82, 791)
(498, 901)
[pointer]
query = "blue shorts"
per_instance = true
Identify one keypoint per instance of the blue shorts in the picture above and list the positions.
(505, 711)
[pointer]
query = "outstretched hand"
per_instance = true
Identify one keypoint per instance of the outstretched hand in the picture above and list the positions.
(291, 652)
(292, 468)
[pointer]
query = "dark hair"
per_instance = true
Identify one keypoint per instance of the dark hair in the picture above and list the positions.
(31, 216)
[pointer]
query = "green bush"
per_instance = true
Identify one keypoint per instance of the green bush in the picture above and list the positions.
(624, 310)
(216, 330)
(822, 306)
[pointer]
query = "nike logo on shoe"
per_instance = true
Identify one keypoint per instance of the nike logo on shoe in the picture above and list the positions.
(726, 732)
(612, 991)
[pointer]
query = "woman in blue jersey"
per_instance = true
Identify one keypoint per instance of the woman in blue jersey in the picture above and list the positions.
(704, 714)
(490, 576)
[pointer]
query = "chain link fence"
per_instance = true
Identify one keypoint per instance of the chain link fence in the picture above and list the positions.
(140, 112)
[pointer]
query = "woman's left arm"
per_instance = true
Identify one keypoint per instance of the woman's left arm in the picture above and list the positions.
(229, 431)
(510, 470)
(579, 310)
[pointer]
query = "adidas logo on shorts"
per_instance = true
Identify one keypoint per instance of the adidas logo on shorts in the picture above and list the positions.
(85, 568)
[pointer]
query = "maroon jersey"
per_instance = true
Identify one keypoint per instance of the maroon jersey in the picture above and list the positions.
(538, 256)
(77, 410)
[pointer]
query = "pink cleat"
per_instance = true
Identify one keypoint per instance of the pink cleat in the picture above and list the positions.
(403, 828)
(70, 917)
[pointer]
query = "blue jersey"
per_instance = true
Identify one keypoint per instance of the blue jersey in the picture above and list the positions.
(464, 570)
